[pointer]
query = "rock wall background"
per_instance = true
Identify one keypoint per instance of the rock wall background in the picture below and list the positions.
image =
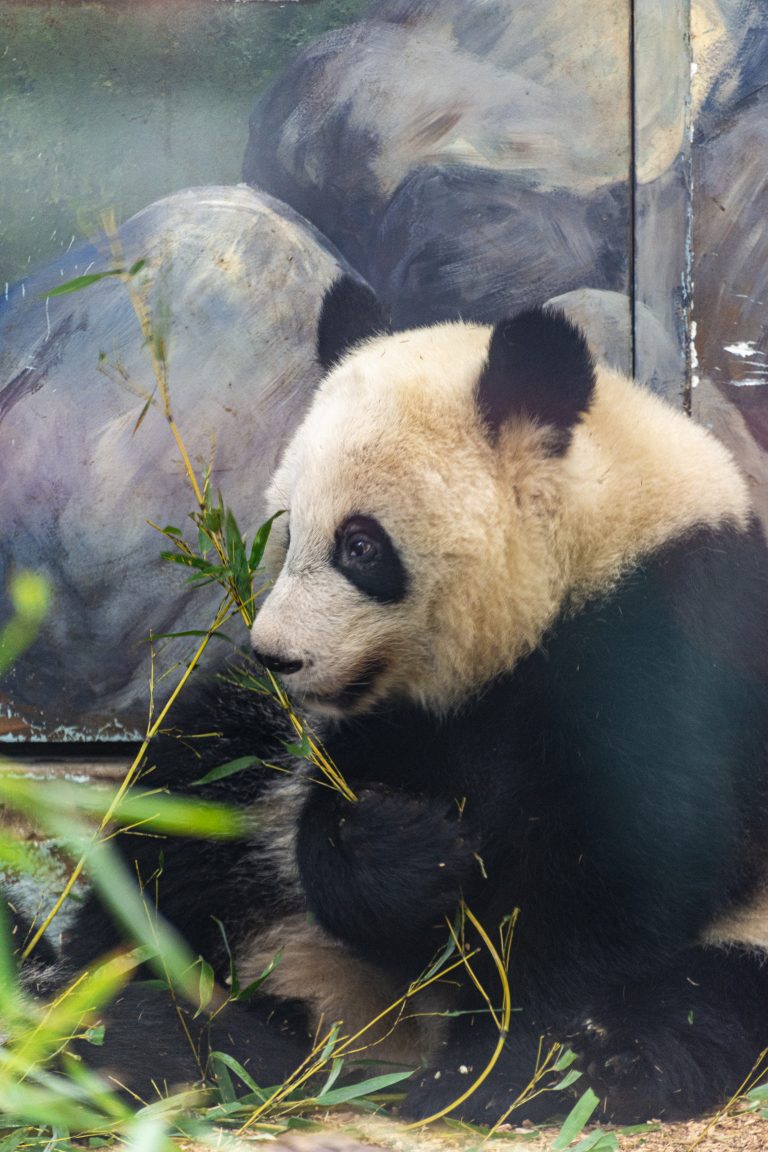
(466, 157)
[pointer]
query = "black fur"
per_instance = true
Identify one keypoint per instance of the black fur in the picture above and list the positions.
(365, 555)
(615, 786)
(208, 890)
(539, 365)
(153, 1044)
(350, 313)
(612, 787)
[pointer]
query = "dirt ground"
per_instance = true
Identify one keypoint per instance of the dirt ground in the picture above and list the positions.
(745, 1132)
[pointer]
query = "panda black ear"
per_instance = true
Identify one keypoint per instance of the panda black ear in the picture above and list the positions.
(539, 365)
(350, 312)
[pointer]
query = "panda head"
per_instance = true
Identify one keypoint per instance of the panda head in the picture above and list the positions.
(418, 552)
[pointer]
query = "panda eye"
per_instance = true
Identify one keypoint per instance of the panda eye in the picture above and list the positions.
(361, 548)
(365, 555)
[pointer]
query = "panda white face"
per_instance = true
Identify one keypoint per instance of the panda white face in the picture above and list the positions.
(451, 490)
(398, 568)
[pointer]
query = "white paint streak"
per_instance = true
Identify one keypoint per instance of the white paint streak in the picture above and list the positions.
(695, 378)
(756, 366)
(745, 349)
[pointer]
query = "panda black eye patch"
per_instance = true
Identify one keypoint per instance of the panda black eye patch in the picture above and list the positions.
(365, 555)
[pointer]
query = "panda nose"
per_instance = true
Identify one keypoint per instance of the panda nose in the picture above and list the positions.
(278, 663)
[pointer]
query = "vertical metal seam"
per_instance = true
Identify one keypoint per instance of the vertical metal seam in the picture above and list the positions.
(689, 304)
(632, 246)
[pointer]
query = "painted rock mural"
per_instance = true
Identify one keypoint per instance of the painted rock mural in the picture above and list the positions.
(466, 157)
(234, 281)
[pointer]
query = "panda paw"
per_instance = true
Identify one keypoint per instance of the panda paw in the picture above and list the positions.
(645, 1069)
(389, 866)
(429, 832)
(415, 844)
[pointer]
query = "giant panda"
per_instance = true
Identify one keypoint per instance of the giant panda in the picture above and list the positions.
(525, 602)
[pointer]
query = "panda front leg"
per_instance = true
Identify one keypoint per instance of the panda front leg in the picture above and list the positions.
(463, 1057)
(385, 873)
(677, 1044)
(669, 1047)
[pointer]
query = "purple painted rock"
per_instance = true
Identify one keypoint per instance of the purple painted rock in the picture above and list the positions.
(538, 93)
(233, 282)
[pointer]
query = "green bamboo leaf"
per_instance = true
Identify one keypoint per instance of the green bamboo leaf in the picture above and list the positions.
(301, 749)
(16, 857)
(81, 282)
(260, 541)
(70, 1011)
(362, 1088)
(25, 1103)
(245, 994)
(137, 267)
(224, 1060)
(234, 983)
(142, 414)
(12, 1141)
(155, 811)
(575, 1120)
(441, 960)
(477, 1129)
(30, 595)
(189, 561)
(137, 917)
(333, 1075)
(567, 1080)
(207, 985)
(211, 519)
(9, 979)
(565, 1059)
(218, 1066)
(148, 1133)
(597, 1142)
(204, 541)
(158, 343)
(229, 769)
(329, 1045)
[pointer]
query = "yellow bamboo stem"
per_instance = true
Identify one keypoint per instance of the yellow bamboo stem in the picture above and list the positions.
(506, 1014)
(127, 780)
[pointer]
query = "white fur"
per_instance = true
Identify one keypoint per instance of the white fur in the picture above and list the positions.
(339, 988)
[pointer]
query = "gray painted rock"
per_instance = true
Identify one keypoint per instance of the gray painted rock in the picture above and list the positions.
(478, 84)
(730, 48)
(606, 320)
(457, 242)
(536, 92)
(236, 280)
(730, 243)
